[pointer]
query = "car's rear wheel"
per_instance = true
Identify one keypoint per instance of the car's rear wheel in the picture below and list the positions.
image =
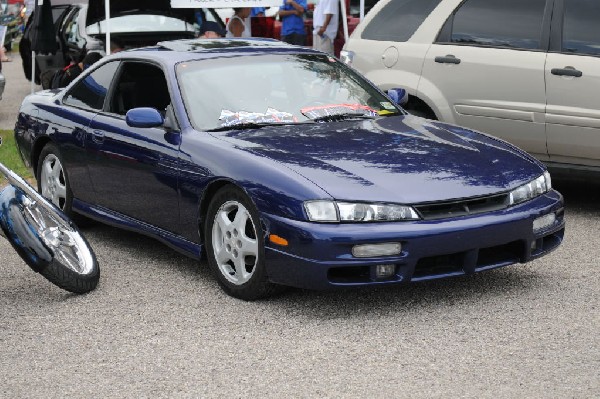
(52, 179)
(235, 245)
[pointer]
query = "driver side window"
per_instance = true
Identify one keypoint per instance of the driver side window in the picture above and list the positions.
(139, 85)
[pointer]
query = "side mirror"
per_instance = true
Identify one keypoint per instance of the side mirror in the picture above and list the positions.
(398, 95)
(144, 117)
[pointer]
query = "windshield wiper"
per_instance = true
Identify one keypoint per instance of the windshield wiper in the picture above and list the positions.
(249, 125)
(342, 116)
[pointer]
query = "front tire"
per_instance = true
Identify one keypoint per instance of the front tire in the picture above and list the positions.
(235, 245)
(52, 179)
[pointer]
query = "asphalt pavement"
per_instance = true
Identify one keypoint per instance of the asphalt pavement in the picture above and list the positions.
(159, 326)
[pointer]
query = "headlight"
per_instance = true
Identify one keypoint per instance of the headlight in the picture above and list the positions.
(331, 211)
(528, 191)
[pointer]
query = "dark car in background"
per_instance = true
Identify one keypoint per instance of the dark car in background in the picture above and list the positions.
(81, 26)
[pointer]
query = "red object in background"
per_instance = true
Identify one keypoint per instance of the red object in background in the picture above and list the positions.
(16, 1)
(264, 27)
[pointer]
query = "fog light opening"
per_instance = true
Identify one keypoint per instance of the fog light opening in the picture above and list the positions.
(543, 222)
(384, 271)
(371, 250)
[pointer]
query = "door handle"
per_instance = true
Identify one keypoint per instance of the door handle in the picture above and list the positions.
(449, 59)
(566, 71)
(98, 136)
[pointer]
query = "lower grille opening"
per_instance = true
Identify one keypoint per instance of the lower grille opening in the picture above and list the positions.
(436, 265)
(501, 254)
(548, 243)
(359, 274)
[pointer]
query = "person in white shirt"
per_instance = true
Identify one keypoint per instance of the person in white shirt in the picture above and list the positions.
(239, 23)
(325, 25)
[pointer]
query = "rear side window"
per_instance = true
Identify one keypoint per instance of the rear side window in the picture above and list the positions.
(398, 20)
(506, 23)
(581, 28)
(91, 91)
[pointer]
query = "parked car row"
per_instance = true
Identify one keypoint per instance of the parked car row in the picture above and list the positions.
(525, 71)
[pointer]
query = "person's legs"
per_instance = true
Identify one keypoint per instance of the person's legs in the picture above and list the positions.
(294, 38)
(323, 43)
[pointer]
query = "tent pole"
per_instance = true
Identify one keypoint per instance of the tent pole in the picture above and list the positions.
(107, 12)
(32, 71)
(344, 19)
(362, 10)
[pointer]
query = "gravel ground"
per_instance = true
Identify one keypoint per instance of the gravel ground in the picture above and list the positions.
(159, 326)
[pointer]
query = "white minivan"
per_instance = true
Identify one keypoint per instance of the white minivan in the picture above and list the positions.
(525, 71)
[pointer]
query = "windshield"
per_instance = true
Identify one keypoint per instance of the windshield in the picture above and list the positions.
(141, 23)
(275, 88)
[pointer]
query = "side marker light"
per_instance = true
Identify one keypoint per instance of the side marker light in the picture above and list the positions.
(275, 239)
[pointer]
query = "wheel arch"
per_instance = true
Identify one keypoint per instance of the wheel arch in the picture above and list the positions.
(209, 193)
(36, 150)
(429, 93)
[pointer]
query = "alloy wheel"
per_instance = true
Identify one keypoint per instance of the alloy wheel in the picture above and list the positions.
(53, 182)
(235, 243)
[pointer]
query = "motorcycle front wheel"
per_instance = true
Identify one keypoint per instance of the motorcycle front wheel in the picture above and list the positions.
(47, 240)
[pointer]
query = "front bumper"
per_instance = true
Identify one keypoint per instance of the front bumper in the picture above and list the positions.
(319, 256)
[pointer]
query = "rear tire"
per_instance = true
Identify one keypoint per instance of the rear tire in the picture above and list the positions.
(235, 245)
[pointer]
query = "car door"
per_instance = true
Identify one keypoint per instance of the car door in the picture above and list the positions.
(80, 104)
(71, 40)
(573, 84)
(486, 70)
(134, 171)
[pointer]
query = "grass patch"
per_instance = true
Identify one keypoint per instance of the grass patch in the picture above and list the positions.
(9, 155)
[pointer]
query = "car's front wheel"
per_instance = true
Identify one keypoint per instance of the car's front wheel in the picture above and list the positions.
(52, 179)
(235, 245)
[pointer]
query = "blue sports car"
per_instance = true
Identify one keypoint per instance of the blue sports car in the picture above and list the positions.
(283, 166)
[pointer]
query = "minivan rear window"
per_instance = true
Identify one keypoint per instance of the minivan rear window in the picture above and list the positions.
(398, 20)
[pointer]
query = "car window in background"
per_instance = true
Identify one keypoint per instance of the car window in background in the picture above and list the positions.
(506, 23)
(581, 29)
(71, 31)
(398, 20)
(91, 91)
(141, 23)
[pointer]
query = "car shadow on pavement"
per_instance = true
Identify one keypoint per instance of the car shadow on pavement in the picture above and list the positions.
(147, 256)
(580, 195)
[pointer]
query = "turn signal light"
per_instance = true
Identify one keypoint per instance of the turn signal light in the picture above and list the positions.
(275, 239)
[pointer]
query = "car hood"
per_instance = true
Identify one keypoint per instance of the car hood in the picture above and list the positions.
(96, 9)
(402, 159)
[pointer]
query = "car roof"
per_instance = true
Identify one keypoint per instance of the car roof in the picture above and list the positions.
(176, 51)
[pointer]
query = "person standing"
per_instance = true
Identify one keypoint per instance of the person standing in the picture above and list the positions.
(237, 25)
(292, 22)
(325, 25)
